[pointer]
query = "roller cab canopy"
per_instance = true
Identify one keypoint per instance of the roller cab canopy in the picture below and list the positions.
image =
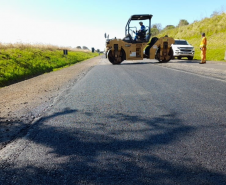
(138, 18)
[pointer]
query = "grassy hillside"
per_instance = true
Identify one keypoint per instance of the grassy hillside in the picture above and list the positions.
(215, 29)
(20, 62)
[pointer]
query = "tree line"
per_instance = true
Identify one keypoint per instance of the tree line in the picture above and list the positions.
(157, 28)
(86, 48)
(83, 47)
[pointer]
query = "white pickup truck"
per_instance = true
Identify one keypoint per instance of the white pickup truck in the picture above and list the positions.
(181, 48)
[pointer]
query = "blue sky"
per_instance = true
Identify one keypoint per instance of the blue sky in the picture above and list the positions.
(84, 22)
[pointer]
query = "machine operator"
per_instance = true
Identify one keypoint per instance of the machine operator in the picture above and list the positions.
(142, 29)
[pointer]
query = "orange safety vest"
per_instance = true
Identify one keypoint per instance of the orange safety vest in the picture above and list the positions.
(203, 43)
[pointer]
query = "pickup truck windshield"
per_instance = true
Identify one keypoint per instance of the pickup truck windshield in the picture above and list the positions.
(181, 42)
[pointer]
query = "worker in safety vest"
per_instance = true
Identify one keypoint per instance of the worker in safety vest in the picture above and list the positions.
(203, 48)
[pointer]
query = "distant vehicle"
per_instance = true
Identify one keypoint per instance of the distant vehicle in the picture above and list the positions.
(181, 48)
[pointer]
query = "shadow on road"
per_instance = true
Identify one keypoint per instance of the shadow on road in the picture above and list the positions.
(185, 61)
(10, 129)
(156, 62)
(137, 63)
(119, 149)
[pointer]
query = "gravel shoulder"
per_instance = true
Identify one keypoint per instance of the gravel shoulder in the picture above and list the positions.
(23, 102)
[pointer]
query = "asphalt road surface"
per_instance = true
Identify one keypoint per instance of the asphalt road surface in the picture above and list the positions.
(134, 123)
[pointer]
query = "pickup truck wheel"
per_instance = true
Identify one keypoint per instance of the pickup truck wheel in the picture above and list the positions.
(179, 58)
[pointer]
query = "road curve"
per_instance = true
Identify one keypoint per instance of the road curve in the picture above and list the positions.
(134, 123)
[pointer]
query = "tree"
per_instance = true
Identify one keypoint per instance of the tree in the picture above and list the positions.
(84, 47)
(78, 47)
(155, 29)
(214, 13)
(158, 26)
(183, 22)
(168, 27)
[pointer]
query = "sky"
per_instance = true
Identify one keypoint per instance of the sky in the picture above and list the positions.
(72, 23)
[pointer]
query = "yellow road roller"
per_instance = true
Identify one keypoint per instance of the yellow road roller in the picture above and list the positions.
(128, 48)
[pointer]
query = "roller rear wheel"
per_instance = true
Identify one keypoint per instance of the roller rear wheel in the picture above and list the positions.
(166, 59)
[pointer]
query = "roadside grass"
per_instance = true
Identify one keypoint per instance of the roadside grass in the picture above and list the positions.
(21, 61)
(215, 29)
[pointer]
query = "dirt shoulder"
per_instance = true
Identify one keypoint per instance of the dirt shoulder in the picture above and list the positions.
(25, 101)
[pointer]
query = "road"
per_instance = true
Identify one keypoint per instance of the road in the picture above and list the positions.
(134, 123)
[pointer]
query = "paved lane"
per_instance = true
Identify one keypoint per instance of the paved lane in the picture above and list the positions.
(127, 124)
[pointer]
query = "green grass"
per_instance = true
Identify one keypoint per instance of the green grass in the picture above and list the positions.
(215, 29)
(20, 63)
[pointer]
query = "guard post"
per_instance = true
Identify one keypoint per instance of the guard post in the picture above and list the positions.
(65, 52)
